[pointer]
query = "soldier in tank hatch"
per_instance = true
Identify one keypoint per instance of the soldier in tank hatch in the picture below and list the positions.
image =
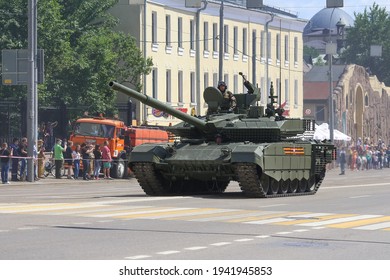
(229, 101)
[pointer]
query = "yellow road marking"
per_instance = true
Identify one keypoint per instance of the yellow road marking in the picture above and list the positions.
(265, 217)
(361, 222)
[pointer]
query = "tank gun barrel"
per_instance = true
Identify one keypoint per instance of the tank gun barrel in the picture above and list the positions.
(158, 105)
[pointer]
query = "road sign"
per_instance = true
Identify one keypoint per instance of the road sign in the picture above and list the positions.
(15, 67)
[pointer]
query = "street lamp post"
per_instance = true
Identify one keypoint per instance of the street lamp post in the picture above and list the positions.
(331, 49)
(221, 41)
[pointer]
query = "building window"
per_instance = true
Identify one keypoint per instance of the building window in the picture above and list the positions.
(215, 37)
(206, 80)
(286, 48)
(269, 49)
(215, 79)
(295, 92)
(155, 83)
(180, 32)
(192, 35)
(154, 27)
(346, 102)
(206, 36)
(180, 86)
(295, 49)
(244, 41)
(278, 47)
(168, 86)
(366, 100)
(235, 83)
(320, 113)
(262, 44)
(226, 39)
(226, 79)
(286, 89)
(235, 38)
(168, 30)
(264, 91)
(192, 86)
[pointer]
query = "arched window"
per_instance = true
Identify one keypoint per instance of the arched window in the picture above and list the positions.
(366, 99)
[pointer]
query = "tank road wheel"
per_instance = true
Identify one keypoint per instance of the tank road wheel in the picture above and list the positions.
(302, 186)
(274, 187)
(284, 186)
(293, 186)
(119, 169)
(150, 180)
(265, 183)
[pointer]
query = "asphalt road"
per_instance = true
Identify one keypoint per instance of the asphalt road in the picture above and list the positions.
(348, 219)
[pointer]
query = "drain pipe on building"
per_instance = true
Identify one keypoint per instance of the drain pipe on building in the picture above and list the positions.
(198, 101)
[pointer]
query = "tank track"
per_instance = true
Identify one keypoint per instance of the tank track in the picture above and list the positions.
(154, 184)
(150, 181)
(252, 185)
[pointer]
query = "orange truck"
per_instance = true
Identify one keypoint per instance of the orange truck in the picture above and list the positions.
(121, 138)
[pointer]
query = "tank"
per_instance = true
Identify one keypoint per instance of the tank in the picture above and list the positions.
(268, 154)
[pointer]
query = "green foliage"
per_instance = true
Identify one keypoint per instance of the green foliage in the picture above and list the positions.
(372, 27)
(82, 51)
(310, 51)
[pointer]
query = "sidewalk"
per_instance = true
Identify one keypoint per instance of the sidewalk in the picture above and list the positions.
(53, 181)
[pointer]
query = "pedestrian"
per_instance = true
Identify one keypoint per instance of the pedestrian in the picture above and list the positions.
(23, 160)
(59, 157)
(106, 156)
(41, 158)
(86, 149)
(97, 161)
(343, 161)
(69, 159)
(15, 160)
(76, 155)
(5, 154)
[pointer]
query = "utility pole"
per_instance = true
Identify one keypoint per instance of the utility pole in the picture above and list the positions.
(32, 111)
(221, 41)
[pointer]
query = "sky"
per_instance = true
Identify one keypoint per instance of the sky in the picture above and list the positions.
(306, 9)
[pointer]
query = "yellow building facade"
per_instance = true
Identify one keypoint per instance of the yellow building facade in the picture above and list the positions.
(186, 62)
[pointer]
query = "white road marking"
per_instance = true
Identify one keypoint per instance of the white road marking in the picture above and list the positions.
(283, 232)
(300, 230)
(105, 221)
(339, 220)
(269, 221)
(138, 257)
(27, 228)
(243, 240)
(221, 244)
(168, 252)
(355, 186)
(375, 226)
(195, 248)
(273, 205)
(263, 236)
(360, 196)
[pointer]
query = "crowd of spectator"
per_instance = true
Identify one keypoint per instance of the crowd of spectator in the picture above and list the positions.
(364, 155)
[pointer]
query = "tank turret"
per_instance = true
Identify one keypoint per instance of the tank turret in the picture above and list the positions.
(267, 154)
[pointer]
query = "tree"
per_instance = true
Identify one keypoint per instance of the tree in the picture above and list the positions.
(82, 51)
(371, 28)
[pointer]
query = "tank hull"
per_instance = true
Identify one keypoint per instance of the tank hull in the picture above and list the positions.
(262, 170)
